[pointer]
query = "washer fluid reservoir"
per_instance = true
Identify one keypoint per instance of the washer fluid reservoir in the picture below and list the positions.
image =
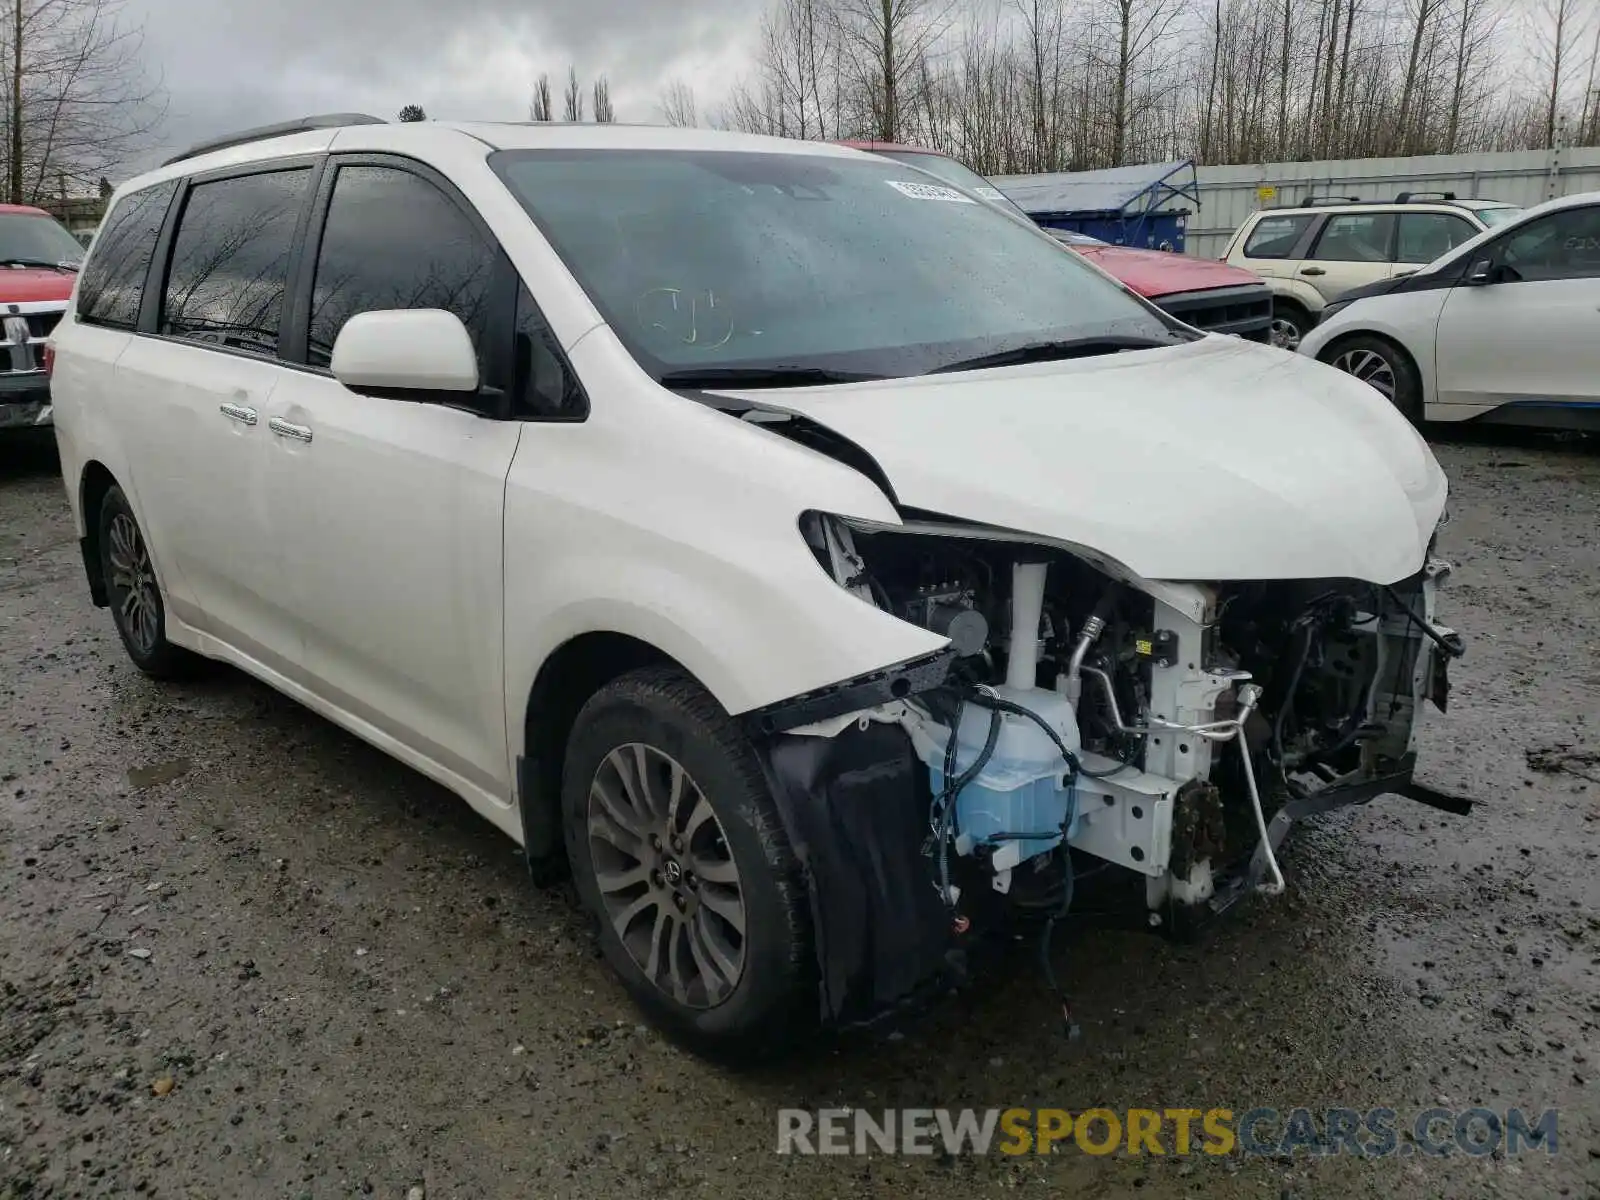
(1020, 804)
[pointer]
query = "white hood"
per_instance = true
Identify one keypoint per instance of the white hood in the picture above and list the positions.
(1217, 460)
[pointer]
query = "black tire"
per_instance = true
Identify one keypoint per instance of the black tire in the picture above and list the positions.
(1385, 366)
(137, 606)
(1290, 323)
(770, 1008)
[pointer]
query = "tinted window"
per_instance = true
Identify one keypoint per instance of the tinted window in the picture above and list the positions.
(112, 286)
(785, 262)
(1355, 237)
(230, 261)
(1564, 245)
(545, 384)
(1275, 237)
(394, 240)
(1425, 236)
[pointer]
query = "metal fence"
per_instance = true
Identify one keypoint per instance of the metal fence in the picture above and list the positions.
(1229, 194)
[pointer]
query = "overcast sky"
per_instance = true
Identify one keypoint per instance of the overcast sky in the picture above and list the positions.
(228, 66)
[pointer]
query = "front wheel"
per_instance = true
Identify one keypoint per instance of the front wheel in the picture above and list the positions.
(1290, 323)
(1385, 368)
(678, 852)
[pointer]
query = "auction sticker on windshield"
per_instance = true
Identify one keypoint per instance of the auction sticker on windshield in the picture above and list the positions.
(929, 191)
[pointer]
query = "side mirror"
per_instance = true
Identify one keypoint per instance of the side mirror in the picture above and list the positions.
(1481, 273)
(406, 354)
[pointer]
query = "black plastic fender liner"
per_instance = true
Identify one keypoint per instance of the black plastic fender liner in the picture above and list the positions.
(855, 808)
(542, 847)
(98, 595)
(850, 695)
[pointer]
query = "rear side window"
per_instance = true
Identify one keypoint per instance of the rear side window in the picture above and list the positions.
(1425, 236)
(230, 261)
(1355, 237)
(394, 240)
(1275, 237)
(112, 285)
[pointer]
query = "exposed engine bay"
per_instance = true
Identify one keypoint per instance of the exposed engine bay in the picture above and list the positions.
(1173, 730)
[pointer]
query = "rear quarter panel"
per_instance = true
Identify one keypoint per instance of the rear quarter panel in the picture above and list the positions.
(86, 414)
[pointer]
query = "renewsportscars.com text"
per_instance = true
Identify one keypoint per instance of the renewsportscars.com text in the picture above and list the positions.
(1365, 1133)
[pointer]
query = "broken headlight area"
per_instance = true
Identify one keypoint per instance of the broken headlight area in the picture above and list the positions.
(1080, 720)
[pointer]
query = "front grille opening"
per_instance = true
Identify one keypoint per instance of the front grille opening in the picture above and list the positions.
(43, 324)
(22, 339)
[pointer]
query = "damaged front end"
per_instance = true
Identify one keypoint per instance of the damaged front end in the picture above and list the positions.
(1080, 719)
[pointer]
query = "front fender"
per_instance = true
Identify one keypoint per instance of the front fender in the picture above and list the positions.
(752, 638)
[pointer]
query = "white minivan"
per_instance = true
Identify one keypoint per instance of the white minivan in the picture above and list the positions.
(819, 564)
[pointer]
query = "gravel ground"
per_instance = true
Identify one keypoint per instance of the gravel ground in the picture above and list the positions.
(242, 954)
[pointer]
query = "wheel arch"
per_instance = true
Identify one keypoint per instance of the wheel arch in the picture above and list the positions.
(1289, 300)
(1302, 295)
(94, 482)
(1329, 352)
(568, 677)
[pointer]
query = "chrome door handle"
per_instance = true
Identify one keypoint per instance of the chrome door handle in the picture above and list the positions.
(300, 433)
(238, 412)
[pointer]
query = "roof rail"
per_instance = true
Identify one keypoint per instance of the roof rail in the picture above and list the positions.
(1312, 201)
(281, 128)
(1412, 197)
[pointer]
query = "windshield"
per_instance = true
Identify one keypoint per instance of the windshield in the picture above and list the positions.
(789, 261)
(963, 176)
(1073, 238)
(1497, 214)
(34, 239)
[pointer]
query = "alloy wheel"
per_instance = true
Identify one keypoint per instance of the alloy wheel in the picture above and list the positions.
(133, 585)
(666, 875)
(1285, 334)
(1371, 368)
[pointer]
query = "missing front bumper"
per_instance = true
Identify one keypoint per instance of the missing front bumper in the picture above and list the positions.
(1239, 881)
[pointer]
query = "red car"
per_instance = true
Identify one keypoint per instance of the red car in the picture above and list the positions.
(1208, 295)
(38, 264)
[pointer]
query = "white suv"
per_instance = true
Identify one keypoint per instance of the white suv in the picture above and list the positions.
(1310, 254)
(806, 553)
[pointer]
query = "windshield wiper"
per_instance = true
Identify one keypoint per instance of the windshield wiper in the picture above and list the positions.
(38, 262)
(1084, 347)
(760, 377)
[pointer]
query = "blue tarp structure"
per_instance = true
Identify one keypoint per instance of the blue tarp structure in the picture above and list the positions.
(1145, 206)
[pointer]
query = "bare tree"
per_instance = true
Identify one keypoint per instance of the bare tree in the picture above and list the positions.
(797, 88)
(1044, 40)
(1423, 26)
(603, 112)
(678, 105)
(539, 108)
(572, 98)
(1558, 25)
(1136, 26)
(1589, 126)
(1477, 29)
(78, 101)
(886, 42)
(1030, 85)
